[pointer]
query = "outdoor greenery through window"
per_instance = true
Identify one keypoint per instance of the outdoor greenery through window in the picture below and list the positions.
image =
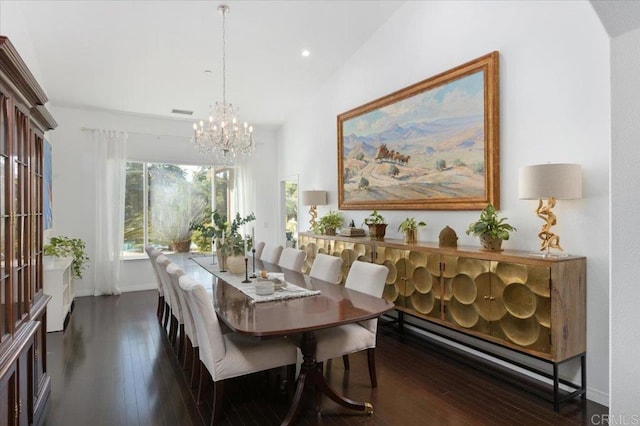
(162, 201)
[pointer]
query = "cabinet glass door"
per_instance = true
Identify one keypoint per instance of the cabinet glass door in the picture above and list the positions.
(5, 218)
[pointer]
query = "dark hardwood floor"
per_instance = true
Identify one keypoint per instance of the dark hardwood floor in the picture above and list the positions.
(113, 366)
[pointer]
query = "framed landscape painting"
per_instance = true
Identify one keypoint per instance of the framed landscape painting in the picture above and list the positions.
(431, 146)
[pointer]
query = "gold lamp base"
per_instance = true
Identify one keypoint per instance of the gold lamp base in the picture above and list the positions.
(314, 215)
(549, 239)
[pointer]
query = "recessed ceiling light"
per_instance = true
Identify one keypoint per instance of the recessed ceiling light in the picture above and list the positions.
(306, 53)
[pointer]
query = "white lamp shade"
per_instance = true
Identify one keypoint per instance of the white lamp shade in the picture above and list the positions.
(561, 181)
(314, 198)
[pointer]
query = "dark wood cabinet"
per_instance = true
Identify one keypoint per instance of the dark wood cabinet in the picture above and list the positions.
(24, 382)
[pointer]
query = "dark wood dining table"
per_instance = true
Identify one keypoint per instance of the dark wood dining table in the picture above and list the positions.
(298, 318)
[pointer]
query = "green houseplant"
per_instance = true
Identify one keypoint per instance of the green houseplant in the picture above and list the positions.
(491, 229)
(330, 222)
(377, 225)
(409, 227)
(225, 233)
(62, 246)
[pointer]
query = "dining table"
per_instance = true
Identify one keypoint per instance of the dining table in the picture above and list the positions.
(323, 305)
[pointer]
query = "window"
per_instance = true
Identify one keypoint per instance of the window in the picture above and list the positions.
(163, 199)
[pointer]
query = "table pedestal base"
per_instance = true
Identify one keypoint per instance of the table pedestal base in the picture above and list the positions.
(311, 375)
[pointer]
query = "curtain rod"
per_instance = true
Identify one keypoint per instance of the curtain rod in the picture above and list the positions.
(89, 129)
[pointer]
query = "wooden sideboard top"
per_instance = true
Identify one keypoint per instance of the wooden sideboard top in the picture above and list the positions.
(531, 256)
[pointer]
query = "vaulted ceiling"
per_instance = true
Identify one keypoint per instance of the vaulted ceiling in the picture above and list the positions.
(150, 57)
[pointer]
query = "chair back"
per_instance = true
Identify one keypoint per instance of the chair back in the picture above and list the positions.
(326, 268)
(153, 253)
(292, 259)
(162, 262)
(212, 347)
(175, 273)
(367, 278)
(187, 314)
(259, 248)
(271, 254)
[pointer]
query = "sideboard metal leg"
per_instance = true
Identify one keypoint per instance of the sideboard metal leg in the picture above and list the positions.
(583, 369)
(556, 402)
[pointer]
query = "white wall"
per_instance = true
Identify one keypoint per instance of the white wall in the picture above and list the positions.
(554, 107)
(625, 227)
(151, 139)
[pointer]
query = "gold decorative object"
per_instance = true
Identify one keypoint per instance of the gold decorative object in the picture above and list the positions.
(448, 237)
(377, 231)
(313, 199)
(553, 182)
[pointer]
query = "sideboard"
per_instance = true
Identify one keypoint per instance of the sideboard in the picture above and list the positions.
(523, 301)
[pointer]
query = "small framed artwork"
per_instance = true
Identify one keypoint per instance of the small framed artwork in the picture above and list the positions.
(430, 146)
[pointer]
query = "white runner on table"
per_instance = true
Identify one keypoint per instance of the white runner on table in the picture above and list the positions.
(288, 291)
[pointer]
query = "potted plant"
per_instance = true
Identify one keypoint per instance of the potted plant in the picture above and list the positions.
(491, 229)
(62, 246)
(229, 243)
(177, 207)
(409, 227)
(377, 225)
(331, 221)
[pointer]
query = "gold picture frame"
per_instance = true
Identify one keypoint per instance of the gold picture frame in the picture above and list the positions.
(431, 146)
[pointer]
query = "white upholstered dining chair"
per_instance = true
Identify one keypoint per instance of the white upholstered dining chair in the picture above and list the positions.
(230, 355)
(292, 259)
(271, 254)
(190, 351)
(367, 278)
(259, 248)
(175, 273)
(162, 262)
(326, 268)
(153, 253)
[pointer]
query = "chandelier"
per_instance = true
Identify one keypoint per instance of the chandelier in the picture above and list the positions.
(223, 140)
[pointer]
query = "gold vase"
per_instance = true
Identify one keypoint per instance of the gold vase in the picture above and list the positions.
(410, 236)
(490, 243)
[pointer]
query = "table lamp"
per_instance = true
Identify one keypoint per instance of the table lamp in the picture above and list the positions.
(553, 182)
(314, 199)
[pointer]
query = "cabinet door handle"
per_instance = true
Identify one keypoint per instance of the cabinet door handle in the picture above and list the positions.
(489, 298)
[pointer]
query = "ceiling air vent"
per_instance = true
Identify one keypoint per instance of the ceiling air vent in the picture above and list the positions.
(182, 111)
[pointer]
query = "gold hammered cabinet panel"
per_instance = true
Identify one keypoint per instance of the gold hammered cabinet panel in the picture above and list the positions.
(505, 300)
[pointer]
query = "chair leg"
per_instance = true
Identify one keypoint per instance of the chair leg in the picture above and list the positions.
(345, 361)
(186, 354)
(318, 393)
(181, 338)
(195, 366)
(216, 410)
(160, 309)
(291, 379)
(173, 332)
(202, 384)
(371, 359)
(167, 314)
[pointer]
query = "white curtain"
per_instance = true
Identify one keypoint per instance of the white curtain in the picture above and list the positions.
(239, 204)
(110, 148)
